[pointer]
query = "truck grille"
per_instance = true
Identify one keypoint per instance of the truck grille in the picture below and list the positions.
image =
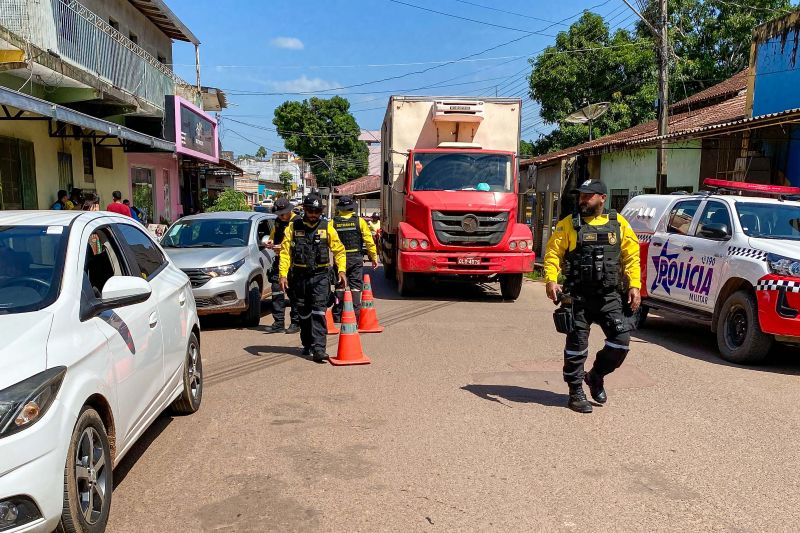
(479, 229)
(196, 276)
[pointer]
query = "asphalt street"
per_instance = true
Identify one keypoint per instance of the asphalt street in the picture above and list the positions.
(460, 424)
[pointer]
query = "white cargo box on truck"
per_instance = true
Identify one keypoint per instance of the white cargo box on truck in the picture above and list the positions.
(419, 122)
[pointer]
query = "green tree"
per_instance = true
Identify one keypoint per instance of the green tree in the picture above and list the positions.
(261, 153)
(286, 180)
(230, 200)
(325, 134)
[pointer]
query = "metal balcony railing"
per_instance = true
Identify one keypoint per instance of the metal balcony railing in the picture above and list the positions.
(79, 36)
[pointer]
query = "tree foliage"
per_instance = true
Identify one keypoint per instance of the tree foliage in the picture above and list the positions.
(261, 153)
(325, 134)
(286, 180)
(230, 200)
(588, 63)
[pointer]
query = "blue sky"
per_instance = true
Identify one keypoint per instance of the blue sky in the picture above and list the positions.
(280, 46)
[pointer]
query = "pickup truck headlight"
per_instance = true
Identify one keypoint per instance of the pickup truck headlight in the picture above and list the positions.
(224, 270)
(784, 266)
(23, 403)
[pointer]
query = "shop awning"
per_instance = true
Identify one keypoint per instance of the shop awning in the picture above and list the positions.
(30, 104)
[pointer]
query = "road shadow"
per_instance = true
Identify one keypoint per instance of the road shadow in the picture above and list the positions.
(140, 447)
(227, 321)
(698, 342)
(513, 393)
(437, 289)
(262, 350)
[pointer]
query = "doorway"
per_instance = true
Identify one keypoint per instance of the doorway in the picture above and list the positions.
(142, 189)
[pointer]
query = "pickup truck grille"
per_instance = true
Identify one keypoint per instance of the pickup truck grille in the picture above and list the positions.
(196, 276)
(452, 230)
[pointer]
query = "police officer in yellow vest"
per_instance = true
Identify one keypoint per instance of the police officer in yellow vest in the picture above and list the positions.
(285, 217)
(306, 250)
(356, 236)
(593, 250)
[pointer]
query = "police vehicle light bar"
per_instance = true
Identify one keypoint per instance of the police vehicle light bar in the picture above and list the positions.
(751, 187)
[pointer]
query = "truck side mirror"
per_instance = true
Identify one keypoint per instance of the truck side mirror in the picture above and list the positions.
(714, 231)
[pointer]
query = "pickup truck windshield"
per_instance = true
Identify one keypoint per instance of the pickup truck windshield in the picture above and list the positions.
(770, 221)
(462, 172)
(207, 233)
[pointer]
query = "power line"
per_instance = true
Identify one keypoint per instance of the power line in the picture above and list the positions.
(509, 12)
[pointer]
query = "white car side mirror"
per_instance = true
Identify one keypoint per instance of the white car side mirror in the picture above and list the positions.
(126, 287)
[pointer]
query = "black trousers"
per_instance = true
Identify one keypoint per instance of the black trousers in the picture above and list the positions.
(280, 301)
(311, 291)
(607, 311)
(355, 281)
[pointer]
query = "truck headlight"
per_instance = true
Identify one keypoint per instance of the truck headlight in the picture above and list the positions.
(784, 266)
(224, 270)
(23, 403)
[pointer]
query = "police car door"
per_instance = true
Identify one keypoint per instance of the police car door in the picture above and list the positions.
(671, 254)
(708, 248)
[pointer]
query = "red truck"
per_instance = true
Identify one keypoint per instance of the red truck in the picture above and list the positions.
(450, 192)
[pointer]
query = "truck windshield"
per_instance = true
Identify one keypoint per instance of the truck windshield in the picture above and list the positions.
(462, 172)
(770, 221)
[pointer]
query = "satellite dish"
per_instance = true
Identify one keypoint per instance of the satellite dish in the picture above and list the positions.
(588, 114)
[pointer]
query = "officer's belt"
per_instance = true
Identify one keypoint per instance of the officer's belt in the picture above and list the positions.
(305, 270)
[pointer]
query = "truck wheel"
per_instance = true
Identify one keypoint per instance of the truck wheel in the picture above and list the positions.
(252, 317)
(739, 335)
(406, 283)
(388, 270)
(510, 286)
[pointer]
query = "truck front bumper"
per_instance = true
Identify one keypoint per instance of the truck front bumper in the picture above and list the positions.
(779, 306)
(448, 262)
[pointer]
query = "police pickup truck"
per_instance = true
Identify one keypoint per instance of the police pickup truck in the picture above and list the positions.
(729, 258)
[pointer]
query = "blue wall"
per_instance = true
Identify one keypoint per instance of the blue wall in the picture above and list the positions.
(777, 79)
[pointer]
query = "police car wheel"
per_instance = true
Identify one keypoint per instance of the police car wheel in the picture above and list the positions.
(739, 336)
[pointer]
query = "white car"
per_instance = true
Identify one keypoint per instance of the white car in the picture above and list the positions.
(100, 335)
(730, 259)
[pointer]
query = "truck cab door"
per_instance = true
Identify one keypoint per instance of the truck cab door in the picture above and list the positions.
(710, 249)
(671, 254)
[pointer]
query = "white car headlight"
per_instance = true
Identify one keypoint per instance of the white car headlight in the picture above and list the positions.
(784, 266)
(224, 270)
(23, 403)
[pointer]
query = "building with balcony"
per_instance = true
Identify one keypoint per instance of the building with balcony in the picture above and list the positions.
(89, 101)
(268, 173)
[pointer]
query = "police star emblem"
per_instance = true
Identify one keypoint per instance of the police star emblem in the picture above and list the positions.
(612, 238)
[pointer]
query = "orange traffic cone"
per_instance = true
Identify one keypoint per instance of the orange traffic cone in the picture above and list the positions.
(332, 329)
(368, 319)
(350, 352)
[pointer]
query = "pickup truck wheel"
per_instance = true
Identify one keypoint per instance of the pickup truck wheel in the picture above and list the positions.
(739, 335)
(252, 317)
(510, 286)
(406, 283)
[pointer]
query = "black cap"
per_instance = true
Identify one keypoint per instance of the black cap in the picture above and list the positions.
(592, 187)
(312, 201)
(346, 202)
(282, 206)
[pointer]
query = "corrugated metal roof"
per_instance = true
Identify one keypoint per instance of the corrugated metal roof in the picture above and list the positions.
(163, 17)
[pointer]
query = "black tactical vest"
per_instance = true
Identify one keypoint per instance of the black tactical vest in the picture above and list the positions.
(349, 233)
(280, 228)
(309, 249)
(593, 267)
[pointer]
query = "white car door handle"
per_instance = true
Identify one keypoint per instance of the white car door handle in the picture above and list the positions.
(153, 319)
(182, 299)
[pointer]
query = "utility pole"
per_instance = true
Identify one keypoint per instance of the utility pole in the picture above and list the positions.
(663, 100)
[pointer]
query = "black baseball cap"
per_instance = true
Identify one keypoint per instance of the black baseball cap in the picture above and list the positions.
(592, 187)
(346, 202)
(312, 201)
(282, 206)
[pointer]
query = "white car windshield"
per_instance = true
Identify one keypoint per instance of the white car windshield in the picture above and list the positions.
(31, 263)
(462, 172)
(769, 221)
(207, 233)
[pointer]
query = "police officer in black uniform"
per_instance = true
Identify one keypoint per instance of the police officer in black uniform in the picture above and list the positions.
(356, 237)
(283, 210)
(597, 252)
(305, 252)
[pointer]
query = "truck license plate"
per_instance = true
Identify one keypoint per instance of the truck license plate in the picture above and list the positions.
(472, 261)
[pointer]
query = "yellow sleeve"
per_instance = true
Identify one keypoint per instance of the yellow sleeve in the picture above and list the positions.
(557, 247)
(369, 242)
(630, 254)
(285, 261)
(337, 248)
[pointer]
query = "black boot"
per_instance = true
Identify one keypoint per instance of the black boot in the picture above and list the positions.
(577, 400)
(319, 356)
(292, 329)
(306, 351)
(274, 328)
(595, 383)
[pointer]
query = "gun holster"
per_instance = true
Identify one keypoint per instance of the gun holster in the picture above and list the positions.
(564, 319)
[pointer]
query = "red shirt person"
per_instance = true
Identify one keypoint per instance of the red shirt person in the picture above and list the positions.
(117, 206)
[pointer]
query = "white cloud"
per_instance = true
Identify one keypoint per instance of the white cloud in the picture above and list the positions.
(304, 84)
(290, 43)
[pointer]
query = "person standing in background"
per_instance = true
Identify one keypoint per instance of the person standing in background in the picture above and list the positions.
(116, 206)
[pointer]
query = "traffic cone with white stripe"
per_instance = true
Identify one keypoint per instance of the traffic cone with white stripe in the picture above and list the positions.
(368, 319)
(332, 329)
(349, 352)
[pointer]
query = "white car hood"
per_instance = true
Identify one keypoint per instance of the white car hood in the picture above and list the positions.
(784, 247)
(205, 257)
(23, 351)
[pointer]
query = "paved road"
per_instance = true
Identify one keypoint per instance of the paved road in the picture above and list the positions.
(460, 424)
